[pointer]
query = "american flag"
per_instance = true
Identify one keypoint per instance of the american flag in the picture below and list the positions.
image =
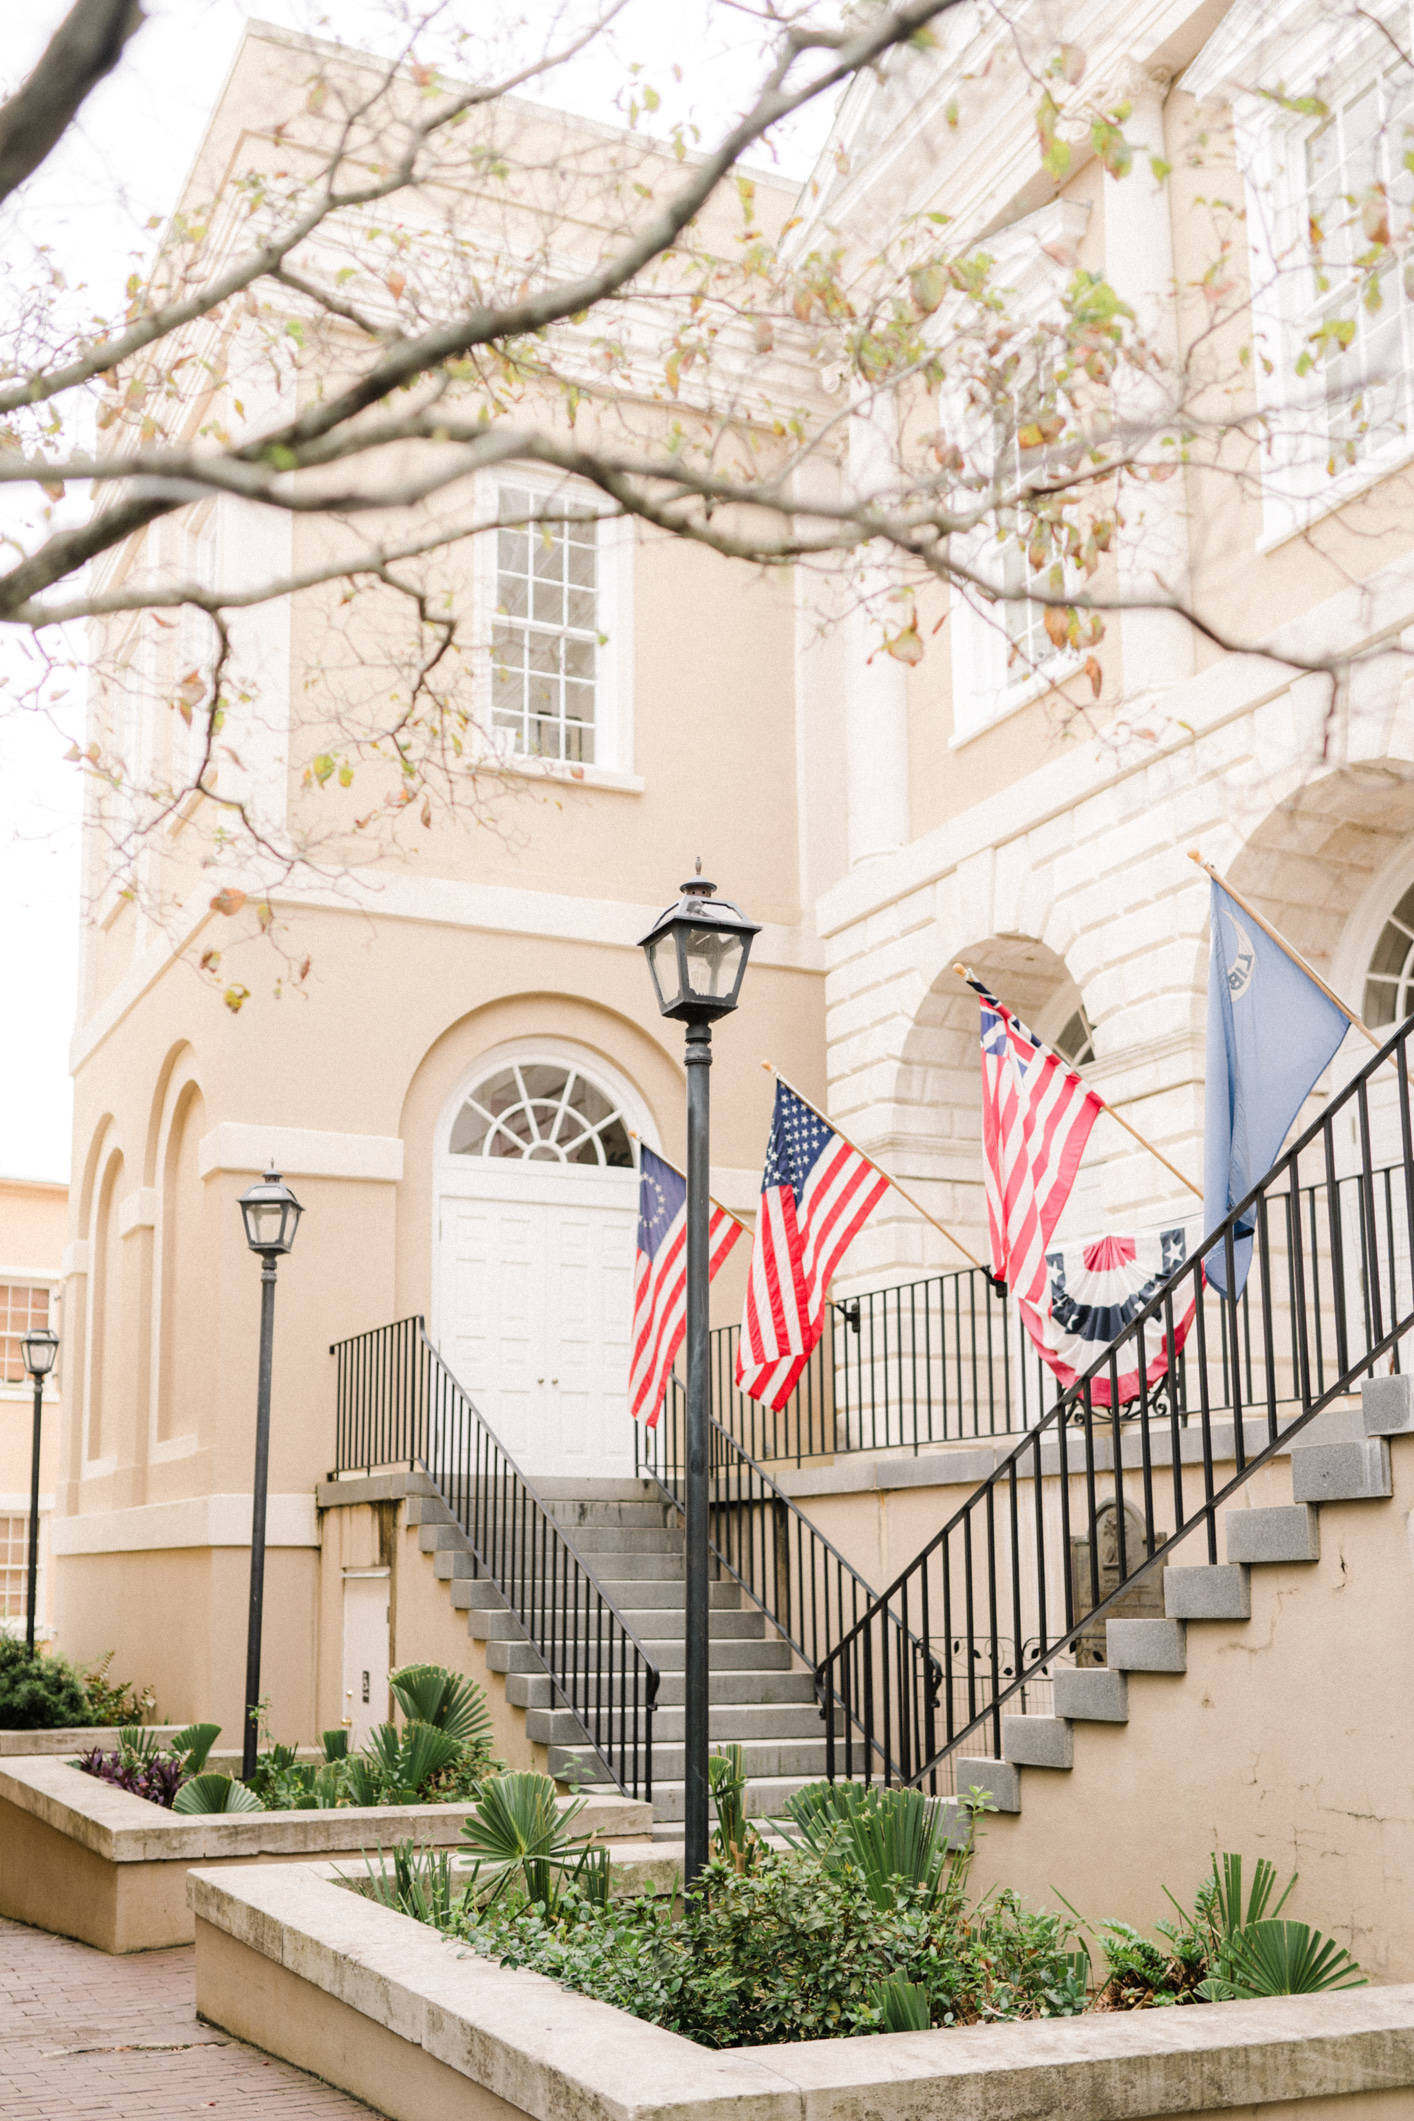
(1036, 1119)
(660, 1278)
(816, 1191)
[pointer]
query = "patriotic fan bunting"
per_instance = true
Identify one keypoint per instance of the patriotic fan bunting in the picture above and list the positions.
(660, 1278)
(816, 1192)
(1036, 1119)
(1094, 1291)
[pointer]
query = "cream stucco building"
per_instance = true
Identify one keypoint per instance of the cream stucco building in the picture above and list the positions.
(456, 1088)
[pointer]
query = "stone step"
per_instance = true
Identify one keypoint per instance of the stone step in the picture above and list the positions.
(645, 1514)
(1217, 1592)
(619, 1567)
(528, 1687)
(999, 1778)
(1341, 1472)
(469, 1591)
(641, 1592)
(766, 1795)
(747, 1723)
(727, 1658)
(1094, 1695)
(800, 1757)
(432, 1538)
(628, 1539)
(1283, 1532)
(1387, 1405)
(1037, 1741)
(1145, 1646)
(657, 1627)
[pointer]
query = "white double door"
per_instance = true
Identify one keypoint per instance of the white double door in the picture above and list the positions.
(535, 1279)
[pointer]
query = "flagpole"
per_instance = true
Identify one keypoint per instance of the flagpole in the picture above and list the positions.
(1282, 944)
(964, 972)
(836, 1128)
(711, 1196)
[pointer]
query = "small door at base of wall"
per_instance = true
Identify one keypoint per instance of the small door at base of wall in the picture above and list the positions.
(366, 1702)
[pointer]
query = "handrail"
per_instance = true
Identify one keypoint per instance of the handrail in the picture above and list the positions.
(399, 1404)
(787, 1567)
(935, 1360)
(1005, 1588)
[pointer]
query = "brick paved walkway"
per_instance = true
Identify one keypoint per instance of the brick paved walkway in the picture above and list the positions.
(83, 2034)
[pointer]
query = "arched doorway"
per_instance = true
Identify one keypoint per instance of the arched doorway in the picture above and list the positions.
(536, 1205)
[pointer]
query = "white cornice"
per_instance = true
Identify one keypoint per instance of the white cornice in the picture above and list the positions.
(299, 1152)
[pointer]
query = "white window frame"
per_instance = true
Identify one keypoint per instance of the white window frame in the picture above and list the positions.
(1311, 50)
(985, 688)
(613, 765)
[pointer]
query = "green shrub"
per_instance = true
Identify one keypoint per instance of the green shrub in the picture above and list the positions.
(441, 1755)
(39, 1690)
(808, 1944)
(116, 1701)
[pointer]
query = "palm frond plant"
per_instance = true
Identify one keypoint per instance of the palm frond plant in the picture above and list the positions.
(1275, 1958)
(518, 1829)
(215, 1793)
(449, 1701)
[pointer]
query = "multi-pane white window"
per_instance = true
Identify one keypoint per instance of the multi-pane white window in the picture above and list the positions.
(546, 638)
(1361, 328)
(542, 1112)
(14, 1566)
(1389, 983)
(22, 1308)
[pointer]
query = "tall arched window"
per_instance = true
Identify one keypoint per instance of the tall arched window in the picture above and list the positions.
(1389, 983)
(542, 1112)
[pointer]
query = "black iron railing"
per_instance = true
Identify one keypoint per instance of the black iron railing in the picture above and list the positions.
(936, 1360)
(399, 1405)
(1123, 1471)
(786, 1566)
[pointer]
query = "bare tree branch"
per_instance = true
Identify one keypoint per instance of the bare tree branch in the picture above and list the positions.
(86, 46)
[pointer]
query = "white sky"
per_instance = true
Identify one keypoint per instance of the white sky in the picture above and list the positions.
(136, 136)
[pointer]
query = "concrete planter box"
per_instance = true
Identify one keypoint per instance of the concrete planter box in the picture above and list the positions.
(383, 2007)
(89, 1861)
(81, 1740)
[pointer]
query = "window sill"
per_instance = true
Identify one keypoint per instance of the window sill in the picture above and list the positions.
(1338, 493)
(1016, 697)
(562, 774)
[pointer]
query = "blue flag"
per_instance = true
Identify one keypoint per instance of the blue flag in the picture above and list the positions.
(1271, 1033)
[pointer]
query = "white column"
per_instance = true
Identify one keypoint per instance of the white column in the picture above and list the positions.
(876, 692)
(1153, 551)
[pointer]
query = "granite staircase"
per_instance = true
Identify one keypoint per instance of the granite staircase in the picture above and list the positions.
(1354, 1470)
(762, 1694)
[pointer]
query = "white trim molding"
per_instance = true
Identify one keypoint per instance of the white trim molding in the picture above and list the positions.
(192, 1521)
(74, 1258)
(300, 1152)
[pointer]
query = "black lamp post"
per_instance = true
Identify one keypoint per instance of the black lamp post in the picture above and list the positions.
(271, 1214)
(40, 1347)
(697, 952)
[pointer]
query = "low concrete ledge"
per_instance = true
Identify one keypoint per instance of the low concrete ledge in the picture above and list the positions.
(386, 2009)
(82, 1858)
(22, 1744)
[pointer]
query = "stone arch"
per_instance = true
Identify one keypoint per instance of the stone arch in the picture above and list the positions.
(108, 1368)
(184, 1381)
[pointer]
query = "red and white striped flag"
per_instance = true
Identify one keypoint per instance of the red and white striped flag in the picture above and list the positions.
(660, 1278)
(1036, 1119)
(816, 1192)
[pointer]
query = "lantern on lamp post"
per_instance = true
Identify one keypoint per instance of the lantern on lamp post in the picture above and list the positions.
(40, 1346)
(697, 951)
(271, 1216)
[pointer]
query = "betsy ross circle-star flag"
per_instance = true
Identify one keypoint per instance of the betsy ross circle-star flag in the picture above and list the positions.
(660, 1278)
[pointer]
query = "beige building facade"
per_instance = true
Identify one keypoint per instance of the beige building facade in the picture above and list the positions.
(33, 1224)
(456, 1088)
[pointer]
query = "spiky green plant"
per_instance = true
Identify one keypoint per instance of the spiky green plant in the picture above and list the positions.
(734, 1842)
(881, 1836)
(420, 1884)
(904, 2005)
(215, 1793)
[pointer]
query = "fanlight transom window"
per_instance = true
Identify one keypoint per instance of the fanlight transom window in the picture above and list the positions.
(542, 1112)
(1389, 983)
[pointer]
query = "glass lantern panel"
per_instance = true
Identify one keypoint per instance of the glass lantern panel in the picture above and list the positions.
(663, 964)
(713, 961)
(263, 1219)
